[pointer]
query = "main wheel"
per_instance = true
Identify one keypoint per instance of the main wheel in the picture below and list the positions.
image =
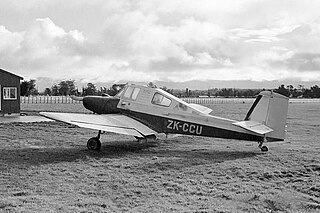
(94, 144)
(264, 149)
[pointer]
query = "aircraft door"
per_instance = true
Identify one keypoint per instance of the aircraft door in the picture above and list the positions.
(129, 96)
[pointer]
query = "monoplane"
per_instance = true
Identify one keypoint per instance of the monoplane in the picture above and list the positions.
(145, 112)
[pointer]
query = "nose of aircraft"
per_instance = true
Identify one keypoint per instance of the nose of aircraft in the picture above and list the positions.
(101, 105)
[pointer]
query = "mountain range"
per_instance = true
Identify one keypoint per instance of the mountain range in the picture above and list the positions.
(43, 83)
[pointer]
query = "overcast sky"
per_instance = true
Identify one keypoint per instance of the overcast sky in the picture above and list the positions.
(114, 40)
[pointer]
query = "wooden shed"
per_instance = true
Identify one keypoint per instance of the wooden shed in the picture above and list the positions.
(9, 92)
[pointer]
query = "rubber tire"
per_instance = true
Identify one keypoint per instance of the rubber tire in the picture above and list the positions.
(94, 144)
(264, 149)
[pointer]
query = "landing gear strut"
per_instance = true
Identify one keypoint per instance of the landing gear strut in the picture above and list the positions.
(263, 148)
(94, 143)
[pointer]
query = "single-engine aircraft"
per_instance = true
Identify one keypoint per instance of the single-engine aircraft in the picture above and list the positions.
(144, 112)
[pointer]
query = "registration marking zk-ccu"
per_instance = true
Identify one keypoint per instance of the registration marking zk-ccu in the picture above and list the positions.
(184, 127)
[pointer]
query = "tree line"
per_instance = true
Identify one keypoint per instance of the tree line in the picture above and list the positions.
(68, 87)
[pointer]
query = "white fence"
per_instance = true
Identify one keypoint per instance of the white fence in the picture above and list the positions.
(47, 100)
(202, 101)
(208, 101)
(304, 100)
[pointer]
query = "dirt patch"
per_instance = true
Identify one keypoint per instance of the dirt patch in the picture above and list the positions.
(46, 167)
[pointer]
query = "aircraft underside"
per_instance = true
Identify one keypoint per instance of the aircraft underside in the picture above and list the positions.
(174, 126)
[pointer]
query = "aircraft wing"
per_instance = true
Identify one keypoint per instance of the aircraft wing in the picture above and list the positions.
(110, 123)
(254, 127)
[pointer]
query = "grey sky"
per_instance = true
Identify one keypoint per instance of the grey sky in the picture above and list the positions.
(149, 40)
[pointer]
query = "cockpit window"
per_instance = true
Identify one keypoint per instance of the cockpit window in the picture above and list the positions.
(131, 93)
(161, 100)
(119, 93)
(135, 93)
(128, 92)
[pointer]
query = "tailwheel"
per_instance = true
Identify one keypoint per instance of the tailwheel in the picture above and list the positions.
(94, 144)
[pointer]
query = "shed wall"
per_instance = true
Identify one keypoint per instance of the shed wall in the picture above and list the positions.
(9, 106)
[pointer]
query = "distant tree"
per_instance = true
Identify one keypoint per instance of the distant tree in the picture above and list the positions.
(67, 87)
(55, 90)
(24, 87)
(290, 88)
(63, 88)
(115, 88)
(90, 89)
(295, 93)
(28, 88)
(47, 91)
(187, 92)
(315, 91)
(301, 87)
(166, 89)
(224, 92)
(102, 91)
(152, 85)
(282, 90)
(307, 93)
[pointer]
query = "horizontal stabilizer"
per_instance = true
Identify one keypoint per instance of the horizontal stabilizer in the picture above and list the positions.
(201, 108)
(253, 126)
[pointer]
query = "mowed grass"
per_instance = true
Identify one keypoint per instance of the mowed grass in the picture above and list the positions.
(45, 167)
(35, 108)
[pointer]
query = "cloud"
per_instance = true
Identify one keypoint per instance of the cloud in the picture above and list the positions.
(305, 62)
(44, 49)
(161, 39)
(9, 42)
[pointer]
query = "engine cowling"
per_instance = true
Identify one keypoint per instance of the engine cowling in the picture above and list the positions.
(101, 105)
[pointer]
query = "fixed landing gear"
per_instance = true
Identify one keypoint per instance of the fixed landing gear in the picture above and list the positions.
(263, 148)
(94, 143)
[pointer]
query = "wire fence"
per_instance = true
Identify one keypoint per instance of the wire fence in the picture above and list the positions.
(202, 101)
(209, 101)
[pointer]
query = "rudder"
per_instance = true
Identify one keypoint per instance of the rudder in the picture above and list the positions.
(270, 109)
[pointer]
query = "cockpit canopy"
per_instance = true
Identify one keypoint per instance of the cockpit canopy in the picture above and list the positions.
(139, 96)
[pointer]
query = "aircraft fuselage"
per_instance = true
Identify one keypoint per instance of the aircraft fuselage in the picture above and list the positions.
(172, 115)
(108, 105)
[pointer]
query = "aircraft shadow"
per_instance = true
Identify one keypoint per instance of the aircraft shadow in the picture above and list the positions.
(163, 158)
(179, 159)
(38, 156)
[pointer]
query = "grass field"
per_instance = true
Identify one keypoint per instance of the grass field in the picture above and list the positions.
(45, 167)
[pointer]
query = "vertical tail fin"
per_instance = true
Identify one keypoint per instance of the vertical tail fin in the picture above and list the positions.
(271, 110)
